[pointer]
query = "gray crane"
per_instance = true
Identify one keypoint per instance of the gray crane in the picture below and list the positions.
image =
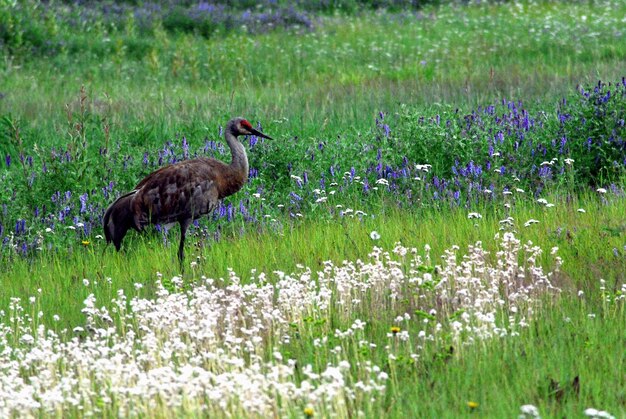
(181, 192)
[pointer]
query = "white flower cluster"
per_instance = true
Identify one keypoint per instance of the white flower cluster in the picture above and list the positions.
(220, 347)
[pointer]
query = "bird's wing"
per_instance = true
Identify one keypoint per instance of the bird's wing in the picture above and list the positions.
(180, 191)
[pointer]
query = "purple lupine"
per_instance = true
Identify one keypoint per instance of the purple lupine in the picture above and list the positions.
(20, 226)
(7, 160)
(387, 130)
(83, 203)
(379, 169)
(252, 141)
(545, 171)
(230, 212)
(253, 173)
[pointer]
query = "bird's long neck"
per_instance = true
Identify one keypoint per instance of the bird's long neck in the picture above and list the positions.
(239, 163)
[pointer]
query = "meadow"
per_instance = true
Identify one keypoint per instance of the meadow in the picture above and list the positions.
(437, 230)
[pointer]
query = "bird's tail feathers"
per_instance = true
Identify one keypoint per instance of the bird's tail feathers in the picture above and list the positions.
(118, 219)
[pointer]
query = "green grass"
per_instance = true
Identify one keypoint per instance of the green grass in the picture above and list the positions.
(562, 342)
(539, 367)
(326, 82)
(325, 86)
(585, 241)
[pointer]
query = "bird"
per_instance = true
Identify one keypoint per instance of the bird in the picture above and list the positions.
(181, 192)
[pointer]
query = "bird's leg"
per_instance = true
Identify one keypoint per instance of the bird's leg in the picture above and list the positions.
(184, 225)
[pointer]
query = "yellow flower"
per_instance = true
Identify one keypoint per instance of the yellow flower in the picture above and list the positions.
(85, 242)
(472, 405)
(308, 411)
(395, 329)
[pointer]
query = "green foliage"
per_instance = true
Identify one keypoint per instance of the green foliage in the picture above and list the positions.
(587, 130)
(126, 89)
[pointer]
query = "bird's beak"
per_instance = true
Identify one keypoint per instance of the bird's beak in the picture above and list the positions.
(259, 134)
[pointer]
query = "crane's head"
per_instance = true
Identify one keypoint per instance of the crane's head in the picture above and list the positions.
(241, 126)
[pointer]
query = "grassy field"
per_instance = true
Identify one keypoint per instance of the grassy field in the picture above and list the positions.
(439, 229)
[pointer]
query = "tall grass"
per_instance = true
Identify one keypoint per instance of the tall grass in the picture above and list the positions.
(436, 127)
(324, 82)
(552, 349)
(590, 243)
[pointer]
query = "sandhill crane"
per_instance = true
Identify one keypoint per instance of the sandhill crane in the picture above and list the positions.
(181, 192)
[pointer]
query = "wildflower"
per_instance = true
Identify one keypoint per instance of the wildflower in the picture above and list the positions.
(85, 282)
(395, 329)
(601, 190)
(27, 339)
(472, 405)
(85, 242)
(530, 222)
(374, 235)
(568, 161)
(529, 410)
(308, 411)
(474, 215)
(595, 413)
(581, 210)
